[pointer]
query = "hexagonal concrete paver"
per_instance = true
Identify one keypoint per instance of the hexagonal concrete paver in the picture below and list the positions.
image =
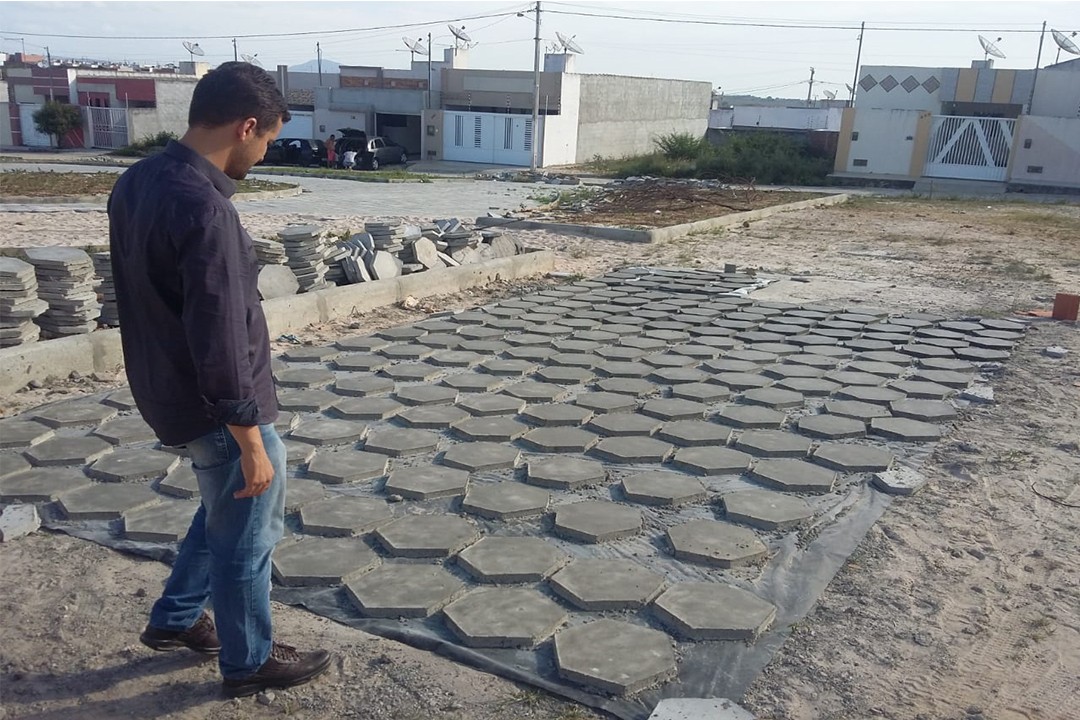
(606, 402)
(360, 362)
(21, 433)
(711, 460)
(766, 509)
(40, 485)
(504, 618)
(596, 521)
(614, 656)
(473, 382)
(508, 560)
(432, 417)
(679, 376)
(481, 456)
(105, 502)
(832, 427)
(751, 416)
(311, 354)
(694, 433)
(535, 392)
(924, 410)
(715, 543)
(856, 409)
(300, 492)
(508, 368)
(873, 395)
(633, 450)
(491, 429)
(11, 463)
(673, 409)
(713, 611)
(427, 481)
(407, 351)
(125, 465)
(411, 372)
(403, 590)
(505, 500)
(426, 536)
(306, 400)
(794, 476)
(297, 453)
(346, 466)
(455, 358)
(739, 382)
(342, 515)
(426, 395)
(556, 415)
(304, 378)
(774, 397)
(706, 393)
(773, 443)
(322, 561)
(124, 430)
(629, 386)
(564, 473)
(182, 483)
(489, 405)
(559, 439)
(606, 584)
(922, 390)
(624, 424)
(73, 414)
(624, 369)
(163, 522)
(328, 431)
(848, 457)
(122, 399)
(399, 442)
(565, 375)
(663, 488)
(367, 408)
(363, 386)
(905, 429)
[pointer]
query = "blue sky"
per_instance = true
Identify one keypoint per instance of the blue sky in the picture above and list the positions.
(765, 60)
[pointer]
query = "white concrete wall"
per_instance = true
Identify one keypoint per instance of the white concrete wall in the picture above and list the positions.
(302, 125)
(330, 122)
(621, 116)
(1055, 148)
(885, 141)
(877, 98)
(787, 118)
(560, 132)
(1057, 94)
(170, 115)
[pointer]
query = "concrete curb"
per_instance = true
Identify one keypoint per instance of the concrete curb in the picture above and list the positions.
(102, 199)
(100, 351)
(664, 233)
(348, 178)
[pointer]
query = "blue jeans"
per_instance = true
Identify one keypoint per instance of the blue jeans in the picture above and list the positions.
(226, 554)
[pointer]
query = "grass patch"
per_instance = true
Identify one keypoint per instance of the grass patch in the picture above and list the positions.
(26, 183)
(336, 174)
(1020, 270)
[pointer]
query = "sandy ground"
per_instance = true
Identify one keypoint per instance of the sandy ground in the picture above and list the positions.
(962, 602)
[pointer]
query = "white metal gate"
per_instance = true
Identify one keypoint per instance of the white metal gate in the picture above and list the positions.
(970, 148)
(106, 127)
(30, 135)
(494, 138)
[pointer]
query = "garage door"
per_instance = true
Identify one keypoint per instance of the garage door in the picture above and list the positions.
(495, 139)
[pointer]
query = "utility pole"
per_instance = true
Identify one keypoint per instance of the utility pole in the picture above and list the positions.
(536, 90)
(234, 57)
(318, 53)
(427, 100)
(858, 59)
(810, 89)
(48, 55)
(1038, 61)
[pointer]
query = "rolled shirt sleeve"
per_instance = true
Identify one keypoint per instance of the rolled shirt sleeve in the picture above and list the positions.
(214, 268)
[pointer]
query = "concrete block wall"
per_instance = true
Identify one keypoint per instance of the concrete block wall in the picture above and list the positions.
(621, 116)
(1053, 157)
(170, 115)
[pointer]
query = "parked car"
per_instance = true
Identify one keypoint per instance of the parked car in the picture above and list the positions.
(295, 151)
(371, 152)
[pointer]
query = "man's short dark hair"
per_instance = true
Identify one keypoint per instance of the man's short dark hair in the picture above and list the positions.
(234, 91)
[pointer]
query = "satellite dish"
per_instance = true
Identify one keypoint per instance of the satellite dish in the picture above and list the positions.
(253, 59)
(1065, 44)
(568, 44)
(460, 34)
(990, 48)
(415, 46)
(831, 94)
(193, 49)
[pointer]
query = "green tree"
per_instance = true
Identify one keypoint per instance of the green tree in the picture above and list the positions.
(58, 119)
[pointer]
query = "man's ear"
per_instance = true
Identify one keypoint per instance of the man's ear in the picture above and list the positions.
(246, 128)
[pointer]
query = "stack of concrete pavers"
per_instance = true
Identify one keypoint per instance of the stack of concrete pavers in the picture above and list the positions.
(460, 242)
(420, 252)
(106, 290)
(389, 239)
(304, 249)
(333, 255)
(269, 252)
(19, 303)
(65, 279)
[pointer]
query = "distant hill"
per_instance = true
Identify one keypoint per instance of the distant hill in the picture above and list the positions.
(328, 66)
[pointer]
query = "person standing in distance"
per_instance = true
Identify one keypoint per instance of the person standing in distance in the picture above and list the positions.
(197, 356)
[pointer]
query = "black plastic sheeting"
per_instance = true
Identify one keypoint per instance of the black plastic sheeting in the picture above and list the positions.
(801, 565)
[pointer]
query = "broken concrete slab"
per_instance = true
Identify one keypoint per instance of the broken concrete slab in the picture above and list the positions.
(614, 656)
(899, 480)
(427, 536)
(18, 521)
(713, 611)
(504, 618)
(715, 543)
(699, 709)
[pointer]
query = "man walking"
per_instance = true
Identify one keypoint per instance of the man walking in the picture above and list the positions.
(197, 354)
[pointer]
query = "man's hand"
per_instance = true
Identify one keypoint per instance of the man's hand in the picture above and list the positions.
(254, 462)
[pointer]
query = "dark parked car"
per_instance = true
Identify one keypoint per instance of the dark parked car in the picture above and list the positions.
(295, 151)
(371, 152)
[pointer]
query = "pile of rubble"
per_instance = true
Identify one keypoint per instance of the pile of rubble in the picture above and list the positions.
(684, 182)
(19, 303)
(528, 176)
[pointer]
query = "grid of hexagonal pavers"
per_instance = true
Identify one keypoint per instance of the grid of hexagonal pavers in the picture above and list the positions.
(463, 465)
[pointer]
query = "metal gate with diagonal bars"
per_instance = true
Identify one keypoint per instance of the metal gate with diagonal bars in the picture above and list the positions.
(969, 148)
(107, 127)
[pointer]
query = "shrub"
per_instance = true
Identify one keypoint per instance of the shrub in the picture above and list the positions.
(149, 145)
(57, 119)
(682, 146)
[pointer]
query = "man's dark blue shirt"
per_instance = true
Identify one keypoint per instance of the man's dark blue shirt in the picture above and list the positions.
(196, 346)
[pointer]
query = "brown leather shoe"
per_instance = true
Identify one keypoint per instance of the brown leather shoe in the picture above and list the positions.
(283, 669)
(200, 637)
